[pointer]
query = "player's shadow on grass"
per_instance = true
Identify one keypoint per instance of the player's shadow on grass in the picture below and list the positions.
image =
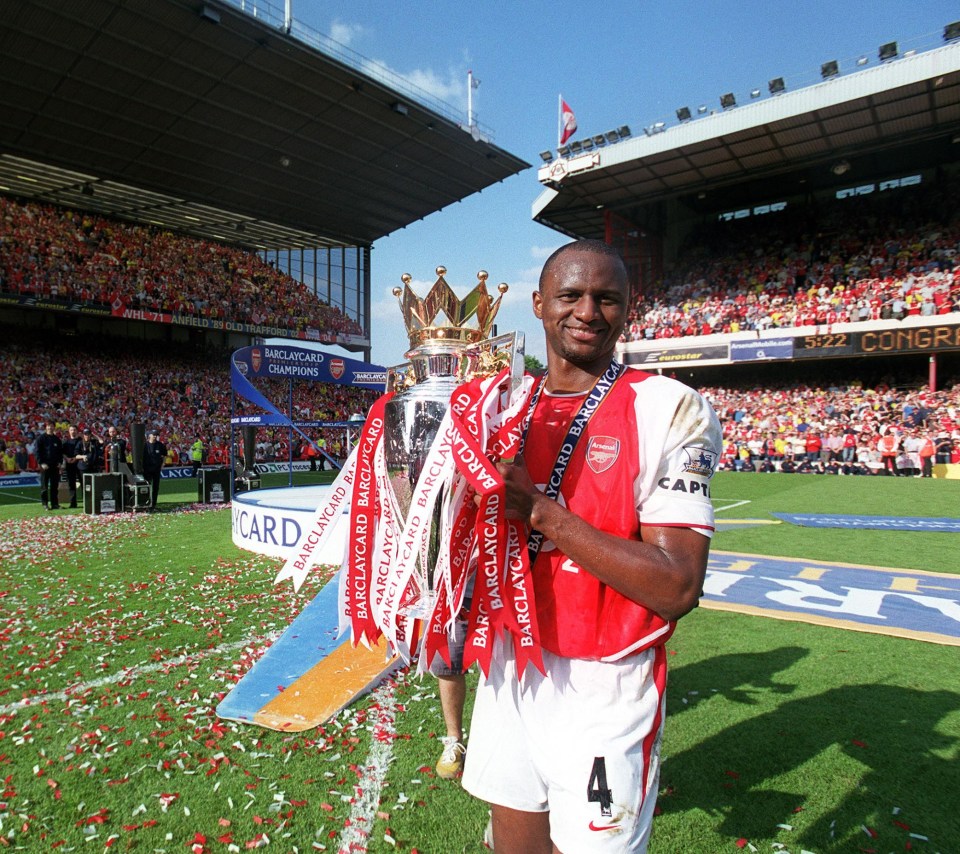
(739, 677)
(881, 746)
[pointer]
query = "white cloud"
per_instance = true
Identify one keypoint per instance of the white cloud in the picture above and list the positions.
(451, 88)
(345, 33)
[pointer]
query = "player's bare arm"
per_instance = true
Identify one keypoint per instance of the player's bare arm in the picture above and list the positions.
(664, 571)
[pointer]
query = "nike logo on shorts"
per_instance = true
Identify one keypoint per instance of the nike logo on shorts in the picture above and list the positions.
(593, 826)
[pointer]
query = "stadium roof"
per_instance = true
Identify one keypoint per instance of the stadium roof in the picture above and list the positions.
(901, 114)
(198, 117)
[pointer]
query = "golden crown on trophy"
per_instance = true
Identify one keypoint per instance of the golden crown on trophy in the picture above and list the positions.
(420, 315)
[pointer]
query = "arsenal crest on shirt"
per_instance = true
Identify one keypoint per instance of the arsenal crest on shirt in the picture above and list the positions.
(602, 452)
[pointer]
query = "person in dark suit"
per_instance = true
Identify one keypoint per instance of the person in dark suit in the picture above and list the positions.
(154, 456)
(49, 457)
(70, 452)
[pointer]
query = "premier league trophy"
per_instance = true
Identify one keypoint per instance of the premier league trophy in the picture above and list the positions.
(443, 355)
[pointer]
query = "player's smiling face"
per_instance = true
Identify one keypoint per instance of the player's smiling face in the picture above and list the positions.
(583, 306)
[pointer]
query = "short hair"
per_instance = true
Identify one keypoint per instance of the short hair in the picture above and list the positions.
(597, 247)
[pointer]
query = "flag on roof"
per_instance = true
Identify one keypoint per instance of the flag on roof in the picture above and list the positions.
(568, 122)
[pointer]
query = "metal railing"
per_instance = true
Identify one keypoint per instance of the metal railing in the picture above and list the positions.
(274, 15)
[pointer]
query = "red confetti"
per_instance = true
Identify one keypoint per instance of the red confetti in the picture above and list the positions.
(741, 842)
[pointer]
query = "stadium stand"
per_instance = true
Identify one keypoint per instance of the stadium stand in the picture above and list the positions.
(182, 392)
(76, 257)
(854, 259)
(794, 427)
(185, 394)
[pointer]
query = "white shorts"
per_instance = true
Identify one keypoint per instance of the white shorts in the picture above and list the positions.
(582, 743)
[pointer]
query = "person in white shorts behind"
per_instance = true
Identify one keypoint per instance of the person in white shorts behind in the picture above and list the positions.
(569, 760)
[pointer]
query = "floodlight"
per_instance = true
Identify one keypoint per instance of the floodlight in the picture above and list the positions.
(546, 156)
(862, 60)
(754, 93)
(841, 167)
(683, 114)
(576, 146)
(728, 100)
(400, 108)
(951, 32)
(563, 150)
(599, 139)
(624, 131)
(702, 109)
(776, 86)
(829, 69)
(887, 51)
(613, 136)
(587, 144)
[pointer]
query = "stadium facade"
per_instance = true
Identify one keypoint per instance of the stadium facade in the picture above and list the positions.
(230, 123)
(887, 128)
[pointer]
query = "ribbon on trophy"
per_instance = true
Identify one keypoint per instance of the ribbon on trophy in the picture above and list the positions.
(426, 500)
(303, 556)
(503, 605)
(365, 512)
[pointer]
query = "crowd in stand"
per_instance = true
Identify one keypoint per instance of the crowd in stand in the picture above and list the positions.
(841, 429)
(184, 396)
(890, 258)
(899, 256)
(56, 253)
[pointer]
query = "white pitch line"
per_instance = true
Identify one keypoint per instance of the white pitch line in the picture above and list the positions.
(17, 495)
(731, 506)
(128, 673)
(357, 833)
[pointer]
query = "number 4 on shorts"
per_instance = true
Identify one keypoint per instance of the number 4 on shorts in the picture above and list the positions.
(597, 790)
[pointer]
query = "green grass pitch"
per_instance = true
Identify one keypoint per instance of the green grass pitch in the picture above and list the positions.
(118, 636)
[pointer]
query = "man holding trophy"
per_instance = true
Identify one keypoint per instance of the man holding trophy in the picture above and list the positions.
(576, 507)
(612, 488)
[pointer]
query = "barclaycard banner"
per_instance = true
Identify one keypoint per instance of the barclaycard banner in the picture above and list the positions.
(287, 361)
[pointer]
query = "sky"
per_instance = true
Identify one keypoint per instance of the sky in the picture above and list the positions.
(615, 63)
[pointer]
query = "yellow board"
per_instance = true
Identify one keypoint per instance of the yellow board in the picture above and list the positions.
(327, 687)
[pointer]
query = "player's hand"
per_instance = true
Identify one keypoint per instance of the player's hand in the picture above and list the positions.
(519, 489)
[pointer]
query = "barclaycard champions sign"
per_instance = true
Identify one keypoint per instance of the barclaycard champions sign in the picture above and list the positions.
(284, 361)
